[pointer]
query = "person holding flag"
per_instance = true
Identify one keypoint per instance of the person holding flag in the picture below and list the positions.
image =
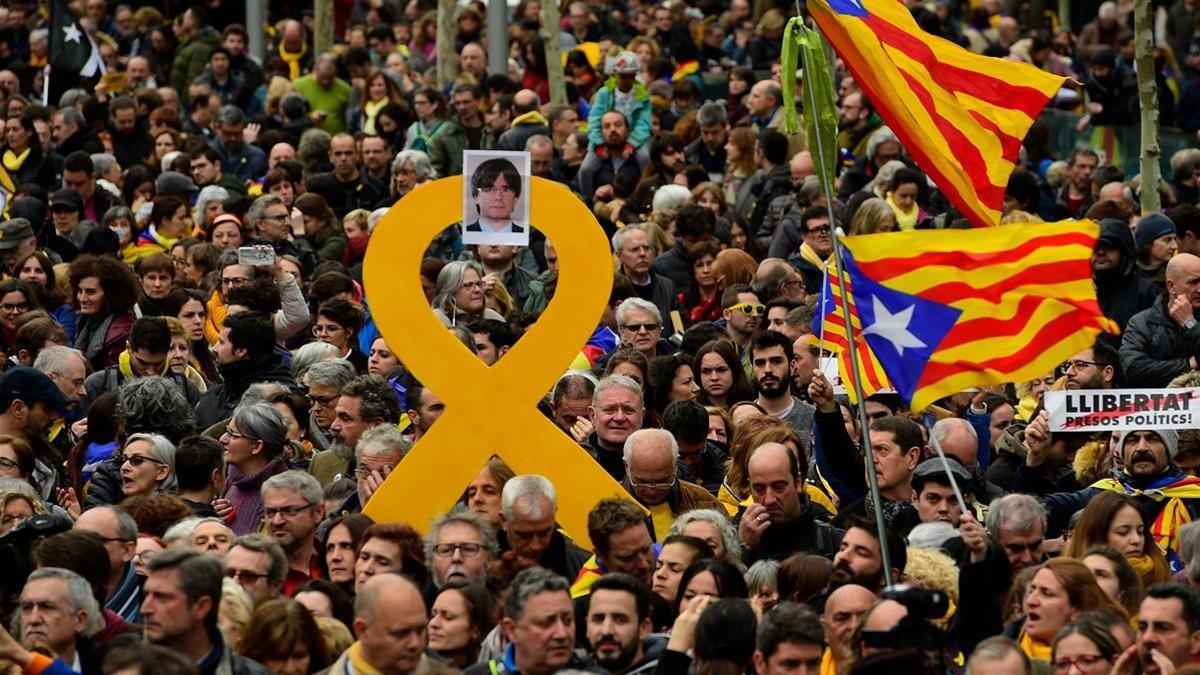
(74, 55)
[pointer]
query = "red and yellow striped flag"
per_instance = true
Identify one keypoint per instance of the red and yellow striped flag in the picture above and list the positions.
(943, 310)
(829, 333)
(960, 115)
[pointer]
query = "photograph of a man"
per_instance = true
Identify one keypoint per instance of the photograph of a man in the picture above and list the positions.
(493, 209)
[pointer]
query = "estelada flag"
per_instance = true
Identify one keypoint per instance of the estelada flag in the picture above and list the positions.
(944, 310)
(960, 115)
(73, 52)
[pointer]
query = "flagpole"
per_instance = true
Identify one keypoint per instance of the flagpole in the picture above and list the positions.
(937, 447)
(835, 231)
(821, 306)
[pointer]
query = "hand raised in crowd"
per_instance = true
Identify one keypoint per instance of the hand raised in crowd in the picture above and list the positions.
(820, 392)
(755, 521)
(68, 500)
(250, 133)
(974, 536)
(582, 430)
(1130, 662)
(1037, 439)
(683, 632)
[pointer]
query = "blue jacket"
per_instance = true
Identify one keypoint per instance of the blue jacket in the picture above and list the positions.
(639, 126)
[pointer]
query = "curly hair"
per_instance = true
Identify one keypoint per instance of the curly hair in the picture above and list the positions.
(411, 545)
(121, 287)
(155, 513)
(377, 401)
(154, 405)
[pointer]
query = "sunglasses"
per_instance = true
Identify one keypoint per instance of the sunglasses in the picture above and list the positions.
(749, 308)
(639, 327)
(137, 460)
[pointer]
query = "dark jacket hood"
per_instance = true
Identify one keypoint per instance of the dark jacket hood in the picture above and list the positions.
(1117, 233)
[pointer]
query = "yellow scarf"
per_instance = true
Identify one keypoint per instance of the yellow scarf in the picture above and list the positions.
(531, 117)
(828, 664)
(123, 363)
(292, 59)
(361, 667)
(810, 254)
(13, 161)
(372, 108)
(1034, 649)
(1174, 513)
(904, 221)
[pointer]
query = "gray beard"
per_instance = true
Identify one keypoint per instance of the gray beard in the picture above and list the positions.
(342, 451)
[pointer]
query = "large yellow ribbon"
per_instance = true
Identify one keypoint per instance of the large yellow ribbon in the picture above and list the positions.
(488, 410)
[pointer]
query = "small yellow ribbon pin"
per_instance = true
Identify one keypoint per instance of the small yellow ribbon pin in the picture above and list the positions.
(489, 410)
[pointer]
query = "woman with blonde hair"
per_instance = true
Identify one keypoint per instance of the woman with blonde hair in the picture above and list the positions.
(873, 216)
(378, 91)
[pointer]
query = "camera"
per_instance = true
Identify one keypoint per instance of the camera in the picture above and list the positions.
(15, 546)
(921, 603)
(915, 629)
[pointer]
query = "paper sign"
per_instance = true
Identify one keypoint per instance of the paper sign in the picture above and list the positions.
(1123, 409)
(829, 368)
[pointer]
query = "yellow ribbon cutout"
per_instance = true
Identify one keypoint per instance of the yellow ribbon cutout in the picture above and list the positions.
(489, 411)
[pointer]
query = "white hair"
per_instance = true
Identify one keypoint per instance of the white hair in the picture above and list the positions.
(618, 238)
(649, 434)
(944, 427)
(79, 595)
(670, 198)
(640, 305)
(528, 490)
(616, 381)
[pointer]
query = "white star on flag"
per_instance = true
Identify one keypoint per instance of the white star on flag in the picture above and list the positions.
(72, 33)
(893, 327)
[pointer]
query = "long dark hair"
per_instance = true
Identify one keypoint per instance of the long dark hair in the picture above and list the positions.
(741, 389)
(48, 295)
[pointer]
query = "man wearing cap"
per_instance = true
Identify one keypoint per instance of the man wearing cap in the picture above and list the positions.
(16, 242)
(1166, 496)
(1157, 243)
(175, 184)
(1163, 341)
(1121, 291)
(29, 403)
(66, 211)
(932, 493)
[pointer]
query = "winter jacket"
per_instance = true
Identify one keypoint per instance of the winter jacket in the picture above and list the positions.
(777, 183)
(103, 343)
(1155, 348)
(522, 129)
(191, 58)
(445, 153)
(673, 265)
(639, 126)
(1122, 293)
(219, 401)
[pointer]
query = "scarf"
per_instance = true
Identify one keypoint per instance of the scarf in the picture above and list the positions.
(810, 254)
(361, 667)
(123, 363)
(292, 59)
(1034, 649)
(13, 161)
(91, 333)
(1173, 514)
(905, 221)
(372, 108)
(531, 117)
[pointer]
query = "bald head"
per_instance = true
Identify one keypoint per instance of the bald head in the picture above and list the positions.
(1113, 192)
(802, 166)
(1182, 266)
(526, 101)
(842, 609)
(848, 596)
(385, 592)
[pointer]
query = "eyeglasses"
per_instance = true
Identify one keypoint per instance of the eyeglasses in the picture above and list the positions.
(820, 229)
(76, 382)
(234, 281)
(276, 218)
(325, 329)
(137, 460)
(749, 308)
(651, 486)
(236, 434)
(1083, 662)
(244, 575)
(15, 307)
(469, 550)
(472, 284)
(288, 512)
(323, 401)
(639, 327)
(1077, 364)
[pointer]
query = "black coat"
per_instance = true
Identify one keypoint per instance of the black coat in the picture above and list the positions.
(1122, 293)
(220, 400)
(1155, 349)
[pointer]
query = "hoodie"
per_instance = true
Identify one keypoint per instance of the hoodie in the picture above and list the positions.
(1121, 292)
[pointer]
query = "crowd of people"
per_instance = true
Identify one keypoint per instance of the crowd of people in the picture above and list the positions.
(196, 404)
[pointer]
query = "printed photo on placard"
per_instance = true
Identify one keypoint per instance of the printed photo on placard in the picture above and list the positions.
(495, 198)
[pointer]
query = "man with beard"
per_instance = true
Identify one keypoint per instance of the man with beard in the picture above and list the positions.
(1147, 471)
(1094, 368)
(856, 122)
(460, 547)
(859, 560)
(29, 403)
(771, 358)
(131, 143)
(325, 380)
(618, 626)
(293, 506)
(363, 403)
(782, 520)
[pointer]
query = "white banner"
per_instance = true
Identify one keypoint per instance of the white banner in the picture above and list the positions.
(1123, 409)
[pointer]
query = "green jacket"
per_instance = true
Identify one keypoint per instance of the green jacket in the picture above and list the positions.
(446, 152)
(329, 243)
(192, 58)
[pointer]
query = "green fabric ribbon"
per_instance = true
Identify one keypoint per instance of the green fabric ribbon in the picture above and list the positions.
(821, 121)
